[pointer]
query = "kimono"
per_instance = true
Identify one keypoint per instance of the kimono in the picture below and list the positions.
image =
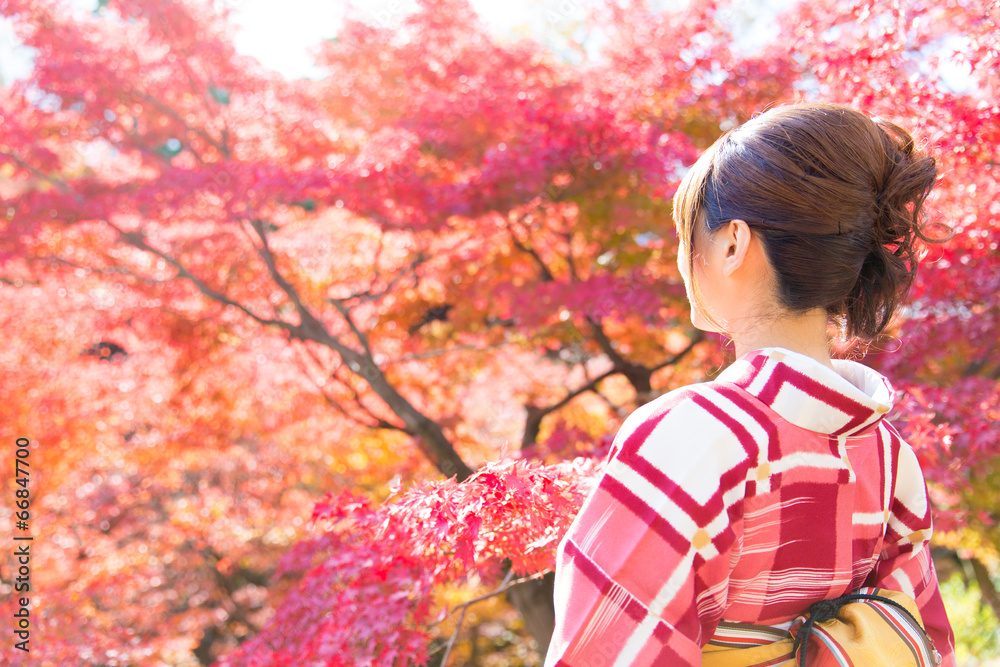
(744, 499)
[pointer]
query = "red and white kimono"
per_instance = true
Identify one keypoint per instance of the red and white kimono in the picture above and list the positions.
(744, 499)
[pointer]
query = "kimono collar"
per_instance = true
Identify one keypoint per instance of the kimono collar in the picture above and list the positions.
(810, 395)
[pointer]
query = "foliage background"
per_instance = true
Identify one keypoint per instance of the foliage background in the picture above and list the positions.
(227, 293)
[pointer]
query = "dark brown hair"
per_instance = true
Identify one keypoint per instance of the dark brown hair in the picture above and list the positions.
(835, 197)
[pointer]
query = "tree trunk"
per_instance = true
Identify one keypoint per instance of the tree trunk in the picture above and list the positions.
(534, 600)
(433, 441)
(986, 587)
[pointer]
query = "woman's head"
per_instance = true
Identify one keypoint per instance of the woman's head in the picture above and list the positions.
(834, 198)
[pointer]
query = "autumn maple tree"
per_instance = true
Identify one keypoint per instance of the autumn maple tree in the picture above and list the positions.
(311, 366)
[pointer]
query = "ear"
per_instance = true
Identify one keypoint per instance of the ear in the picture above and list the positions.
(737, 238)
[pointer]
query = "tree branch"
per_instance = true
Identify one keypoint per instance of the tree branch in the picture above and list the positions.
(379, 422)
(137, 240)
(508, 583)
(111, 270)
(429, 354)
(55, 182)
(371, 295)
(200, 132)
(605, 343)
(546, 273)
(264, 250)
(533, 422)
(429, 434)
(345, 312)
(568, 235)
(698, 337)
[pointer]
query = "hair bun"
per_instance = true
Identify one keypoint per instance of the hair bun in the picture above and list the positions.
(888, 270)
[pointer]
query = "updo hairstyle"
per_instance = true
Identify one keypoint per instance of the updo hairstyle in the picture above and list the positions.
(835, 198)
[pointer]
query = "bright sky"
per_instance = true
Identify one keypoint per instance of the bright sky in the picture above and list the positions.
(279, 34)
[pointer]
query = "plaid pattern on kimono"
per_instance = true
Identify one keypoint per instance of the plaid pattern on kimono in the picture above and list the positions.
(744, 499)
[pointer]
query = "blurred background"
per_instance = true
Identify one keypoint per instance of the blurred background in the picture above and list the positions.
(320, 317)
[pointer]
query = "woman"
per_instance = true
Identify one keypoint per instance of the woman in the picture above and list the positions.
(781, 483)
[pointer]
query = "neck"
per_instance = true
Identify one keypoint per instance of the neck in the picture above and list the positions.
(805, 334)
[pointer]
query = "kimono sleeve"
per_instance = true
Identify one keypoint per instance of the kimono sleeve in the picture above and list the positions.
(642, 574)
(905, 563)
